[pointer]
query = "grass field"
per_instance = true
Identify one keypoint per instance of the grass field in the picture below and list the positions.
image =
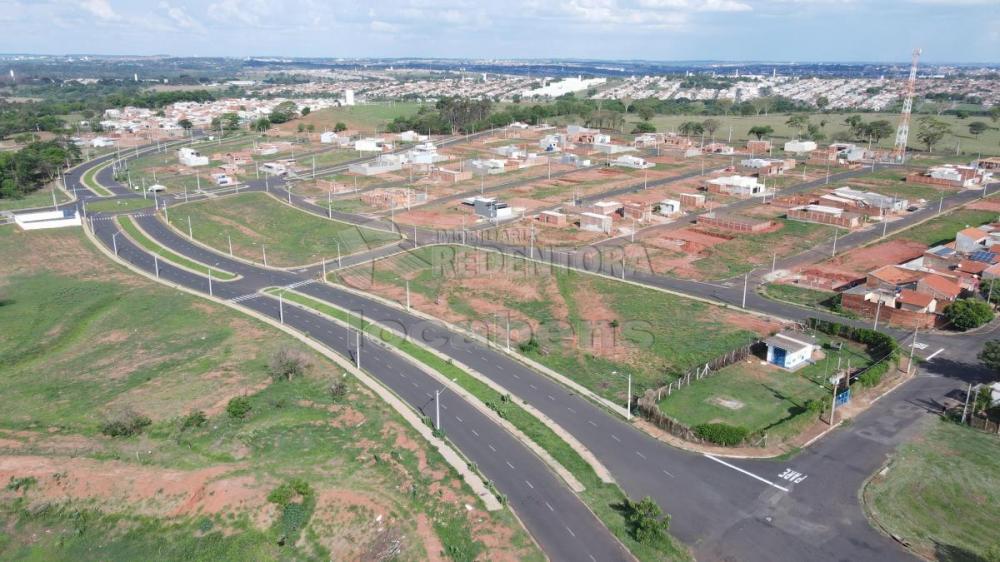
(290, 237)
(132, 230)
(89, 180)
(38, 198)
(86, 339)
(599, 496)
(942, 494)
(943, 229)
(364, 118)
(987, 143)
(591, 329)
(804, 296)
(761, 397)
(113, 205)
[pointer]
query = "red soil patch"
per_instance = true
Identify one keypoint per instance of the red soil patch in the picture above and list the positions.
(857, 263)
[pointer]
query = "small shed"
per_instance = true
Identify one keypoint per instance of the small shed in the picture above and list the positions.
(789, 350)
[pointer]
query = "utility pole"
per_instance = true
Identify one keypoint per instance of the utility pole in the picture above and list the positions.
(508, 330)
(774, 261)
(885, 225)
(114, 241)
(281, 307)
(263, 250)
(156, 265)
(746, 281)
(340, 263)
(913, 344)
(833, 402)
(210, 293)
(407, 295)
(357, 354)
(965, 408)
(878, 309)
(230, 238)
(437, 410)
(324, 269)
(940, 204)
(190, 231)
(623, 263)
(628, 403)
(834, 253)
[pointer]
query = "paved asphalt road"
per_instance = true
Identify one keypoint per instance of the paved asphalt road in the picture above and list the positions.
(718, 509)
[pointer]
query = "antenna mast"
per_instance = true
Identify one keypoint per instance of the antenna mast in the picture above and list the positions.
(903, 131)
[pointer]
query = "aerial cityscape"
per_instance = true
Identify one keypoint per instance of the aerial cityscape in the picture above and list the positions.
(430, 280)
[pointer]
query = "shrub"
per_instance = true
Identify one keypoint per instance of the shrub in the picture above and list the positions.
(338, 390)
(194, 419)
(529, 346)
(965, 314)
(125, 423)
(721, 433)
(286, 364)
(645, 519)
(24, 483)
(239, 407)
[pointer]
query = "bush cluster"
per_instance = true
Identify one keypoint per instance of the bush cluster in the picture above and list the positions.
(721, 433)
(125, 423)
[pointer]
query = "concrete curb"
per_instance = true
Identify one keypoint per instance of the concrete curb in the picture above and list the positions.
(556, 467)
(450, 455)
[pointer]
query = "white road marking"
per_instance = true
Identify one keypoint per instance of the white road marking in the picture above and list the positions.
(933, 355)
(491, 448)
(570, 409)
(591, 422)
(459, 419)
(550, 397)
(667, 473)
(533, 386)
(510, 465)
(529, 484)
(571, 532)
(748, 473)
(516, 375)
(641, 455)
(793, 476)
(548, 505)
(615, 437)
(474, 432)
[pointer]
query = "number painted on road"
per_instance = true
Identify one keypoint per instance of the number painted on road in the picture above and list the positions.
(792, 476)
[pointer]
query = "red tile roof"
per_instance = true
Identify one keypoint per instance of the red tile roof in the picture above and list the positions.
(915, 298)
(969, 266)
(942, 285)
(974, 233)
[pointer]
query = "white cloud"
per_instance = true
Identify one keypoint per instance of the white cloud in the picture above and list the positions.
(101, 9)
(180, 18)
(380, 26)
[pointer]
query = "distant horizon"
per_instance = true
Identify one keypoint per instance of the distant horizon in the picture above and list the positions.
(733, 62)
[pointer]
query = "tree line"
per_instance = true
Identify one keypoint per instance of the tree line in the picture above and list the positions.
(33, 166)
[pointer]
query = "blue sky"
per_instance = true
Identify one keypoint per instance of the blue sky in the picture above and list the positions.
(773, 30)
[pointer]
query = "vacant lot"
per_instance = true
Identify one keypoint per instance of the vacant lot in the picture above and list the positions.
(942, 229)
(589, 328)
(289, 236)
(762, 397)
(942, 493)
(85, 340)
(361, 118)
(701, 252)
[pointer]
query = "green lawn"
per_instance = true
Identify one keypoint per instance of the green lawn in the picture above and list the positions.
(113, 205)
(942, 229)
(760, 397)
(942, 493)
(804, 296)
(89, 180)
(598, 495)
(359, 117)
(133, 231)
(84, 338)
(289, 236)
(38, 198)
(651, 334)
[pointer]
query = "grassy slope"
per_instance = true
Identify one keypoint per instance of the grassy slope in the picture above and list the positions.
(942, 493)
(943, 229)
(82, 338)
(38, 198)
(291, 237)
(744, 251)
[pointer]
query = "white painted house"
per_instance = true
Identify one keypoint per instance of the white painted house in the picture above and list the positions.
(191, 157)
(789, 350)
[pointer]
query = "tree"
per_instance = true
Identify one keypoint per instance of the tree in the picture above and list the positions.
(990, 290)
(877, 130)
(301, 128)
(965, 314)
(239, 407)
(646, 112)
(339, 127)
(813, 132)
(710, 126)
(643, 127)
(799, 122)
(262, 124)
(185, 124)
(977, 128)
(311, 128)
(822, 102)
(646, 521)
(689, 128)
(930, 131)
(724, 104)
(760, 131)
(962, 114)
(230, 121)
(990, 355)
(995, 113)
(283, 112)
(856, 125)
(306, 110)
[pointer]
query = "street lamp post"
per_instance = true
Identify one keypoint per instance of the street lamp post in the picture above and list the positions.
(114, 241)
